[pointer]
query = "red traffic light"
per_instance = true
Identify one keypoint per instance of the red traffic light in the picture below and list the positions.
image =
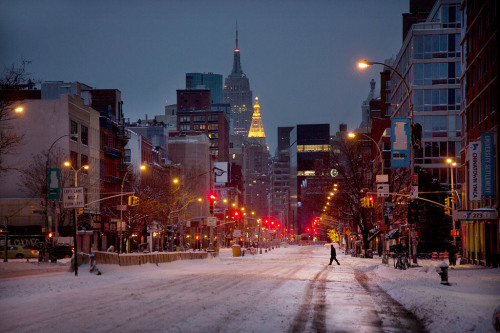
(212, 197)
(370, 198)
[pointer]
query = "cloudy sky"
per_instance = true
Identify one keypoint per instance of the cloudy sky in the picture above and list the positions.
(300, 56)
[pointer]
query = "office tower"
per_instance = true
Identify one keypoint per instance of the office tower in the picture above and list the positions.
(237, 93)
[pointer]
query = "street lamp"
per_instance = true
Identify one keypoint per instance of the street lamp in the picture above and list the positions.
(83, 167)
(142, 168)
(453, 164)
(364, 64)
(47, 163)
(19, 109)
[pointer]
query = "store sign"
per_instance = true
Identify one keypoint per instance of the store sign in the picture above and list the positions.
(475, 171)
(487, 164)
(400, 142)
(461, 215)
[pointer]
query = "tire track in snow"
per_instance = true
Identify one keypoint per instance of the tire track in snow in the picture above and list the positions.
(315, 302)
(393, 317)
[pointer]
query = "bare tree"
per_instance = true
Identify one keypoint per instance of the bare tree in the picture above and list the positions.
(353, 165)
(12, 78)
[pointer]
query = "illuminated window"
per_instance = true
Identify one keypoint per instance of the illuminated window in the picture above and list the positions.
(313, 148)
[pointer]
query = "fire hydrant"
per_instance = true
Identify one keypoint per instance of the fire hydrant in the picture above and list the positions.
(444, 273)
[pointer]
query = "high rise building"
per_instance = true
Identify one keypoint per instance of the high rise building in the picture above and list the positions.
(280, 179)
(210, 81)
(429, 60)
(309, 169)
(256, 131)
(237, 93)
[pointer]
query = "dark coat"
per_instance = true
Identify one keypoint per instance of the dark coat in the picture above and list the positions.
(333, 253)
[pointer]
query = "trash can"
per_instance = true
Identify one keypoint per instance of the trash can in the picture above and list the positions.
(236, 250)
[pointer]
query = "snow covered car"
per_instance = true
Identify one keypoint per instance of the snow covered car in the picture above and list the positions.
(17, 251)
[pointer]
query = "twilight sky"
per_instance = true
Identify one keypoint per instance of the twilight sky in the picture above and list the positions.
(300, 56)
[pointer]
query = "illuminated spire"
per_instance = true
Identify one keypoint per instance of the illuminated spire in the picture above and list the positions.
(237, 71)
(256, 129)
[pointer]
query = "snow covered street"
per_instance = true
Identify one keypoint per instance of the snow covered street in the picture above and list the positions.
(285, 290)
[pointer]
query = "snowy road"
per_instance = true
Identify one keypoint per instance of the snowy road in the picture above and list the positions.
(279, 291)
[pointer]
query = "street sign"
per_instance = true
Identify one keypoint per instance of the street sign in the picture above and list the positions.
(348, 232)
(382, 190)
(54, 179)
(382, 178)
(459, 215)
(211, 221)
(73, 197)
(236, 233)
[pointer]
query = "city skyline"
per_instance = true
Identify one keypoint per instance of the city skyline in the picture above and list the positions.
(300, 58)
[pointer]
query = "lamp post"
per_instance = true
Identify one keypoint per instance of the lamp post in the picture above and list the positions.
(452, 166)
(142, 167)
(47, 163)
(363, 64)
(83, 167)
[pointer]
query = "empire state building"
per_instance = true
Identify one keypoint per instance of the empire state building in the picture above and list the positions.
(238, 95)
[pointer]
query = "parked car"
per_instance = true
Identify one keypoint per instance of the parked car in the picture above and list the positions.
(61, 251)
(17, 251)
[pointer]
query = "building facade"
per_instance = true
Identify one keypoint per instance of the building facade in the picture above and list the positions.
(480, 238)
(429, 61)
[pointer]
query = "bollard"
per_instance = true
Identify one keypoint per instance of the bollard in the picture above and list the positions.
(444, 273)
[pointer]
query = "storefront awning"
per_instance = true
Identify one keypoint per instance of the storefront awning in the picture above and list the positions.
(392, 234)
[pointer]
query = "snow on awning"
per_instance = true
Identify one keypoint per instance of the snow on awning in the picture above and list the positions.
(392, 234)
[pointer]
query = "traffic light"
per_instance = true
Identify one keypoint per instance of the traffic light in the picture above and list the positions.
(133, 200)
(370, 201)
(235, 214)
(32, 209)
(412, 213)
(80, 211)
(447, 208)
(211, 199)
(363, 202)
(416, 135)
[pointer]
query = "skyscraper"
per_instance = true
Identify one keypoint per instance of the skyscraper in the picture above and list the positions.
(256, 129)
(237, 93)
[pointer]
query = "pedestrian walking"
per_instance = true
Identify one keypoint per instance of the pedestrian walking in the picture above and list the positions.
(453, 253)
(333, 255)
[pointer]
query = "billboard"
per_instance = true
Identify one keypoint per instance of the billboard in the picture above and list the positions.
(475, 171)
(400, 142)
(487, 164)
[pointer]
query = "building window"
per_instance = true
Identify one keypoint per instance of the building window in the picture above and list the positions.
(213, 127)
(199, 119)
(127, 156)
(73, 159)
(313, 148)
(84, 159)
(73, 130)
(184, 127)
(213, 118)
(184, 119)
(199, 127)
(85, 135)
